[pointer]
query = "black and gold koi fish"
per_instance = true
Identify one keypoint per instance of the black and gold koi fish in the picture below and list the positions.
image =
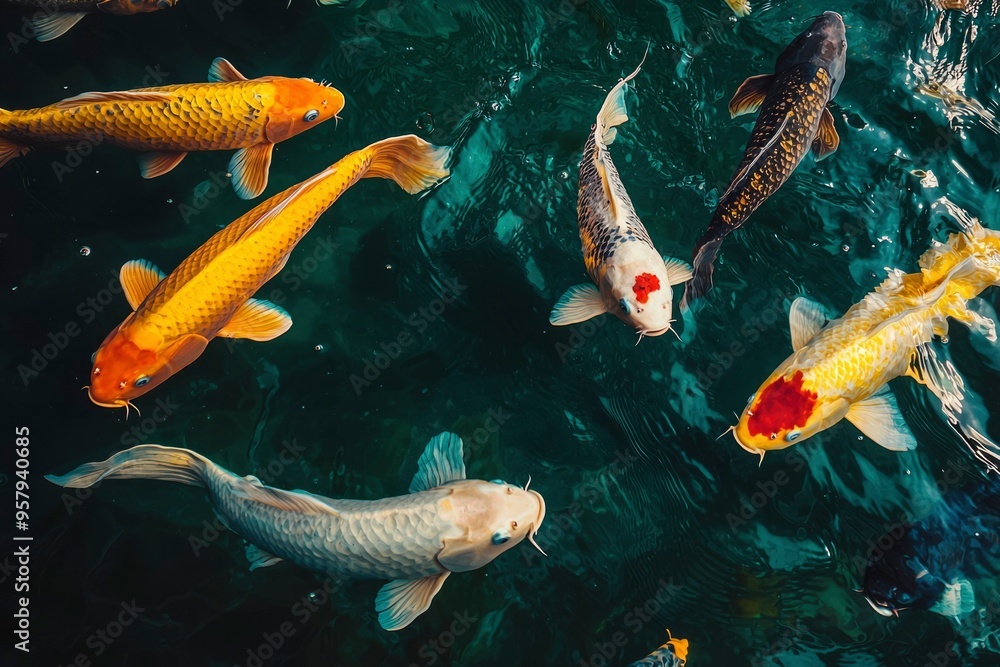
(793, 119)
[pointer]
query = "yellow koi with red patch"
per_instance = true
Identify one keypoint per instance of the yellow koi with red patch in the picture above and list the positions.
(209, 294)
(230, 112)
(840, 370)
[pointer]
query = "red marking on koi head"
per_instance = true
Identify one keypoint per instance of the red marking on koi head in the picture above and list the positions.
(645, 283)
(783, 405)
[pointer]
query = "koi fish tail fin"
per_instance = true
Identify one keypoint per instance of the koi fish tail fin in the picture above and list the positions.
(613, 112)
(171, 464)
(411, 162)
(703, 266)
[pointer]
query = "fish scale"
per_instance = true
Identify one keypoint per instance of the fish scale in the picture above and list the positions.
(204, 116)
(872, 360)
(389, 538)
(233, 264)
(800, 95)
(601, 233)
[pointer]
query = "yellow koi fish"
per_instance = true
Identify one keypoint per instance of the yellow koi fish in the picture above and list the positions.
(839, 370)
(208, 295)
(230, 112)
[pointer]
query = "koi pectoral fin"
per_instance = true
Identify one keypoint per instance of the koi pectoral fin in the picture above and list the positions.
(677, 271)
(750, 95)
(9, 150)
(257, 320)
(399, 602)
(50, 26)
(578, 304)
(249, 168)
(260, 558)
(827, 140)
(958, 599)
(878, 417)
(155, 164)
(958, 404)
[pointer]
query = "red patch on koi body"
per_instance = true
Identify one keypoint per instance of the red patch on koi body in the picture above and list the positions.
(645, 284)
(783, 405)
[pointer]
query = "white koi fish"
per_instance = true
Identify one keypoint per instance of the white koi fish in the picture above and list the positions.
(633, 280)
(446, 524)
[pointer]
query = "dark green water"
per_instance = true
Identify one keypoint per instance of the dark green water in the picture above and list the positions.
(646, 509)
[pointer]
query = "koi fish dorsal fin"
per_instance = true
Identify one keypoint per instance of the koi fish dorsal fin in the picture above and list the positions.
(879, 418)
(139, 277)
(827, 140)
(249, 168)
(122, 96)
(750, 95)
(613, 112)
(805, 319)
(578, 304)
(221, 70)
(257, 320)
(50, 26)
(440, 463)
(399, 602)
(260, 558)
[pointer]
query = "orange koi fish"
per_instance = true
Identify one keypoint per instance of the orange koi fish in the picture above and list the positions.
(840, 368)
(208, 295)
(58, 16)
(230, 112)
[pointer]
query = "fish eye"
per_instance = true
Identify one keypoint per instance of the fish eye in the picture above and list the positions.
(497, 481)
(500, 538)
(624, 306)
(142, 380)
(750, 400)
(311, 115)
(793, 436)
(93, 357)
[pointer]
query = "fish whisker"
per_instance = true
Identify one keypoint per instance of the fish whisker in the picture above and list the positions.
(531, 538)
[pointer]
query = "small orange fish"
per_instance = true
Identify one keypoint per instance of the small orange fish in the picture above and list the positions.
(57, 16)
(208, 295)
(230, 112)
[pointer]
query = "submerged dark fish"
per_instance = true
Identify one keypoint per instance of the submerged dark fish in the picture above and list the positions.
(793, 118)
(55, 17)
(930, 564)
